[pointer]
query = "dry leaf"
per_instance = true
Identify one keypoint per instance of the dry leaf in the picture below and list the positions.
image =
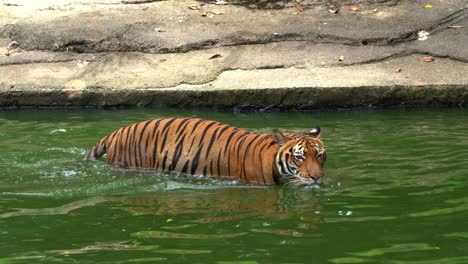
(398, 70)
(331, 6)
(204, 14)
(196, 7)
(295, 13)
(427, 6)
(427, 59)
(217, 11)
(13, 45)
(216, 56)
(299, 7)
(211, 16)
(353, 8)
(341, 58)
(456, 26)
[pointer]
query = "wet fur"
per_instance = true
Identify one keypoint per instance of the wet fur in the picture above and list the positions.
(195, 147)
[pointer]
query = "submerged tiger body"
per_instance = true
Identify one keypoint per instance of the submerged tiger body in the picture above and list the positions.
(204, 147)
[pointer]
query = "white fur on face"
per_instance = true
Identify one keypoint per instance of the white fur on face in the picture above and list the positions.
(298, 151)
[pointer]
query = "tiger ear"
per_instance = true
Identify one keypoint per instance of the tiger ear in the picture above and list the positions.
(315, 132)
(279, 138)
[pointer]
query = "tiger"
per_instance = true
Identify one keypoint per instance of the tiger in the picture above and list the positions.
(195, 146)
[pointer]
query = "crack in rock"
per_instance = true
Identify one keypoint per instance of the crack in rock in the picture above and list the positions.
(282, 4)
(137, 2)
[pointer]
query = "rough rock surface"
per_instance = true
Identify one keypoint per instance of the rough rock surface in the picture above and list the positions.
(264, 54)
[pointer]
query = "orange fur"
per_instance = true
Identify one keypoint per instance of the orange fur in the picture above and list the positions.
(196, 147)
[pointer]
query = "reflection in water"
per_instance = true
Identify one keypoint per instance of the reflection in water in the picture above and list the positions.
(238, 206)
(238, 203)
(117, 246)
(284, 232)
(441, 211)
(226, 218)
(60, 210)
(358, 219)
(458, 235)
(162, 234)
(370, 256)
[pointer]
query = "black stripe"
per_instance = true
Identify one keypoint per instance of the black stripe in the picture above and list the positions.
(124, 147)
(166, 132)
(210, 145)
(230, 138)
(142, 132)
(226, 127)
(230, 152)
(261, 163)
(211, 167)
(130, 145)
(185, 168)
(147, 139)
(286, 163)
(111, 141)
(115, 144)
(202, 137)
(155, 143)
(171, 120)
(164, 161)
(191, 144)
(260, 151)
(246, 152)
(193, 129)
(179, 127)
(117, 150)
(197, 124)
(95, 151)
(218, 161)
(200, 147)
(102, 145)
(226, 146)
(181, 133)
(275, 175)
(195, 162)
(242, 139)
(281, 163)
(121, 145)
(177, 154)
(135, 146)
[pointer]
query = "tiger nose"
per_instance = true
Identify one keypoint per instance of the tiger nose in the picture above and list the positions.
(313, 177)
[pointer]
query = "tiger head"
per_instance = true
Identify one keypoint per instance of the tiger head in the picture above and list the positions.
(300, 157)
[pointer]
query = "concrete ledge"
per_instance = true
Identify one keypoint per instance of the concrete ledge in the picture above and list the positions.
(261, 55)
(249, 99)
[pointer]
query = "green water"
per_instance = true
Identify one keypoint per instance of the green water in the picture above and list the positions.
(395, 191)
